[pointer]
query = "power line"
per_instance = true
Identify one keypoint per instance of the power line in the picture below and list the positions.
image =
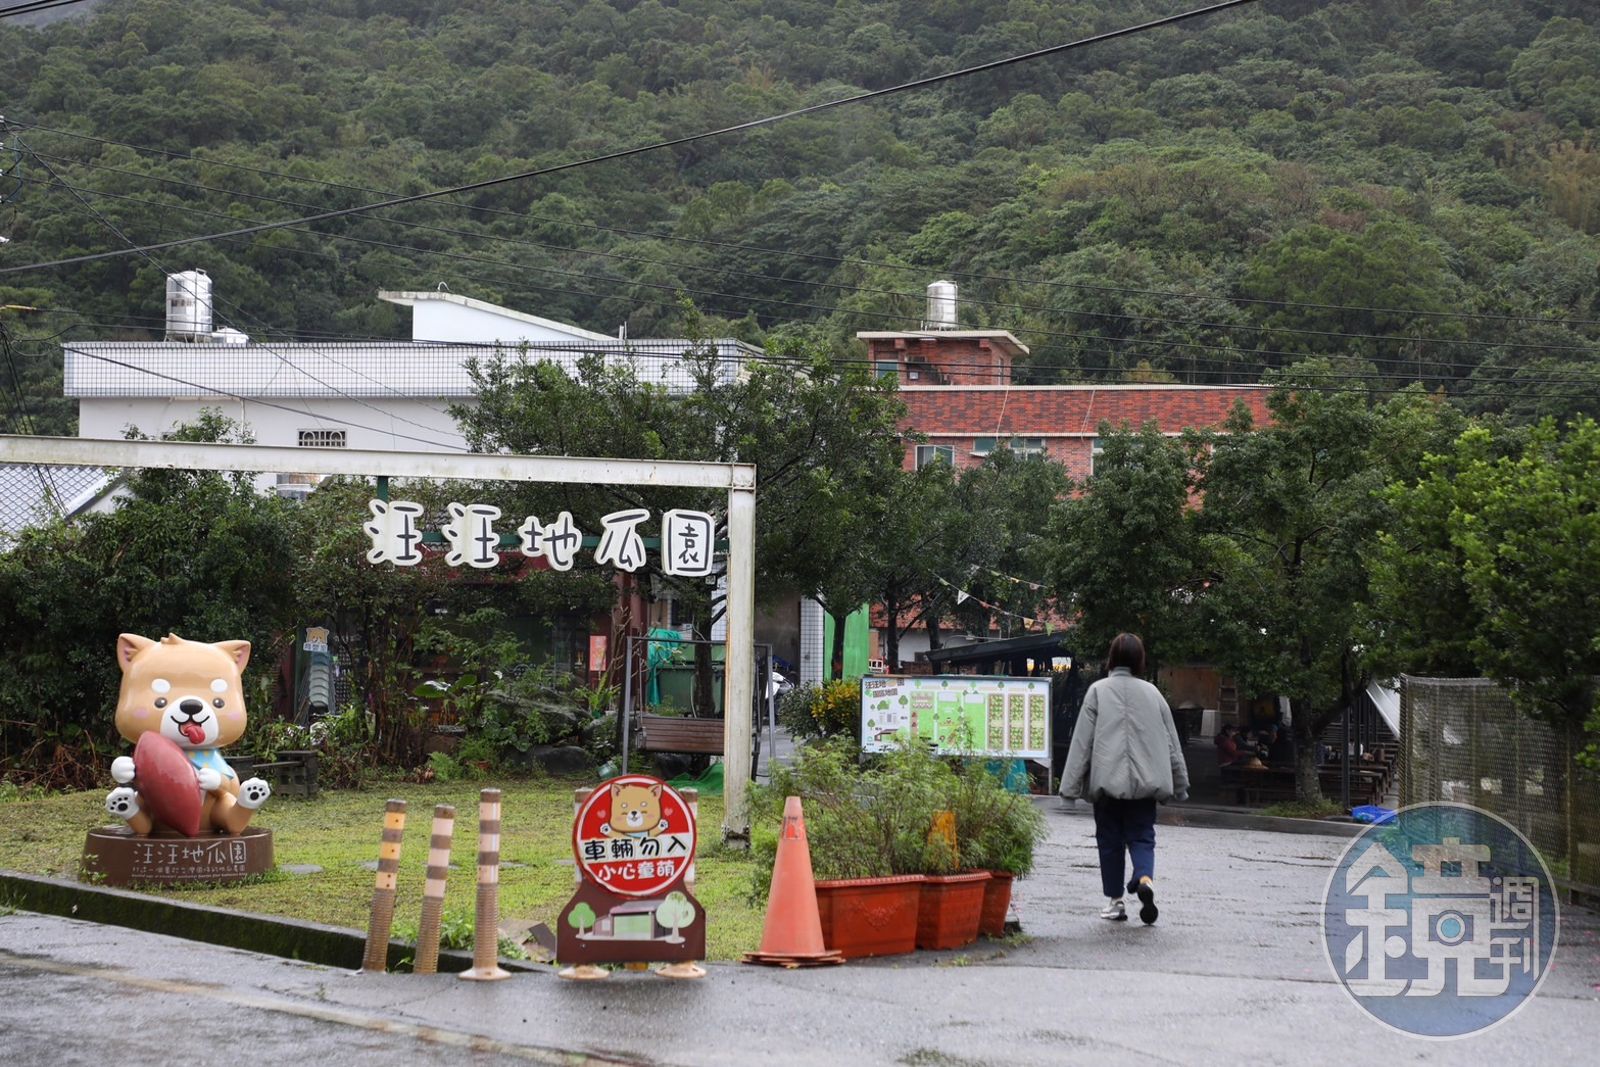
(1362, 382)
(980, 302)
(792, 254)
(266, 403)
(1132, 342)
(624, 153)
(36, 6)
(156, 263)
(19, 414)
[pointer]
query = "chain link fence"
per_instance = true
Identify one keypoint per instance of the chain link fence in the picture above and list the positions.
(1462, 740)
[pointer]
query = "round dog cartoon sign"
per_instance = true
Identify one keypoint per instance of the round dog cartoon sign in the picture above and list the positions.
(635, 836)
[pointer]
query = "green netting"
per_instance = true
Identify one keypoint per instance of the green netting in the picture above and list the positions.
(659, 652)
(857, 641)
(709, 783)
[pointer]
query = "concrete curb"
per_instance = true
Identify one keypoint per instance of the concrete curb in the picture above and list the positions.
(331, 946)
(1220, 819)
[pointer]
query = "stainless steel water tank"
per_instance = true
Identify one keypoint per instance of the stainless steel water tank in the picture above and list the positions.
(189, 306)
(942, 307)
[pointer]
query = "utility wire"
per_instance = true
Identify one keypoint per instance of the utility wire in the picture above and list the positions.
(813, 256)
(624, 153)
(978, 302)
(1166, 343)
(1364, 384)
(19, 415)
(31, 8)
(114, 228)
(265, 403)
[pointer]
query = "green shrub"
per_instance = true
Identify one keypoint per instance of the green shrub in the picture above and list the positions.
(794, 712)
(837, 710)
(874, 821)
(866, 823)
(996, 829)
(445, 767)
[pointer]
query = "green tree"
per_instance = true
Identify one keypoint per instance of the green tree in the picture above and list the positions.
(1126, 546)
(917, 542)
(1288, 512)
(1528, 529)
(1004, 545)
(197, 553)
(823, 435)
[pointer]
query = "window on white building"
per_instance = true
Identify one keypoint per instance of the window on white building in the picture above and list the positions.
(321, 439)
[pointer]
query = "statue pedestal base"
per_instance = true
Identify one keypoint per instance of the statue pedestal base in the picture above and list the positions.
(115, 855)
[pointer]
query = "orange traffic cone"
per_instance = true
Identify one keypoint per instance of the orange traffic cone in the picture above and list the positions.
(793, 933)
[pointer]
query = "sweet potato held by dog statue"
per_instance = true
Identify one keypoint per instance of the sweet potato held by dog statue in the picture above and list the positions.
(180, 703)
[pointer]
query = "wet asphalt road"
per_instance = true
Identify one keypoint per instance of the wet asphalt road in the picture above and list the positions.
(1233, 973)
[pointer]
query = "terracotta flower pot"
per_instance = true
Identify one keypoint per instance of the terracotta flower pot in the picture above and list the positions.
(996, 902)
(870, 916)
(951, 907)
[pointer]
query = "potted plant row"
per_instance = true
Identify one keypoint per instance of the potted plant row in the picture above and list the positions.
(910, 852)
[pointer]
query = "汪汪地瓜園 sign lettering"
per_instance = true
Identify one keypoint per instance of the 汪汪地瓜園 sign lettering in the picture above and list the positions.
(687, 538)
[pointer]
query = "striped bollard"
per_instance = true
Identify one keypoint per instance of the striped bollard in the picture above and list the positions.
(486, 928)
(444, 823)
(376, 957)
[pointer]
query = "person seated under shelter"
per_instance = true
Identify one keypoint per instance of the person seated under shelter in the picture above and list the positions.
(1281, 750)
(1228, 751)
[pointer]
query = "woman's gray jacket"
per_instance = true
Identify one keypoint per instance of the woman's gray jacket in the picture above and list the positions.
(1125, 744)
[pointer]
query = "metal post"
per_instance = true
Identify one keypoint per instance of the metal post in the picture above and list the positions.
(627, 697)
(1344, 760)
(444, 824)
(740, 665)
(376, 956)
(772, 715)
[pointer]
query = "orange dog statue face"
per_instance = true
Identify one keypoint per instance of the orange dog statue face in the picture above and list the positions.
(189, 693)
(186, 691)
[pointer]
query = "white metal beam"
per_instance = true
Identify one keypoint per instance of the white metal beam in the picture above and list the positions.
(471, 466)
(739, 479)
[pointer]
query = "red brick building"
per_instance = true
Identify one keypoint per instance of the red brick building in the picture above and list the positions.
(955, 384)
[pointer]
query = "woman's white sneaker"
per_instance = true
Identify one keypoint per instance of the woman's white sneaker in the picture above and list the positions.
(1115, 910)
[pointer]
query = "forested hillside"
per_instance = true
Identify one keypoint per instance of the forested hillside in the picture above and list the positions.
(1408, 186)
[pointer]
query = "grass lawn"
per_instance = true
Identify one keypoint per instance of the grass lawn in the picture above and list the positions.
(339, 831)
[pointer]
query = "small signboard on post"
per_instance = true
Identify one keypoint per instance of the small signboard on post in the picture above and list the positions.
(634, 841)
(958, 715)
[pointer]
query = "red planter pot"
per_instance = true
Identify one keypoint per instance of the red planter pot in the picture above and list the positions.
(951, 907)
(870, 916)
(996, 902)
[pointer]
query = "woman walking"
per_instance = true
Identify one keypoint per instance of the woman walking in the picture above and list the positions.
(1125, 758)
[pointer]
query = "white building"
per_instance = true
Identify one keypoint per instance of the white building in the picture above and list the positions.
(384, 395)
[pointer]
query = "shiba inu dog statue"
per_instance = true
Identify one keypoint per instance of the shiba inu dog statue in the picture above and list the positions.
(190, 694)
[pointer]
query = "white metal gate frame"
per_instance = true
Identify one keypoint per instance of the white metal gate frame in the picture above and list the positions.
(739, 479)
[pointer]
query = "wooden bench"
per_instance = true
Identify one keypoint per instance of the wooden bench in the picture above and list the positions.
(1257, 785)
(672, 733)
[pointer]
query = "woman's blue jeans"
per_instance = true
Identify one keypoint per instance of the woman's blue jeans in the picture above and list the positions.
(1125, 826)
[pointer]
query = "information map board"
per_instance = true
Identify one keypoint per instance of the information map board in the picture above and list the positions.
(958, 714)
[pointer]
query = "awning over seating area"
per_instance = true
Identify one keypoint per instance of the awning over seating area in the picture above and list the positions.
(1008, 657)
